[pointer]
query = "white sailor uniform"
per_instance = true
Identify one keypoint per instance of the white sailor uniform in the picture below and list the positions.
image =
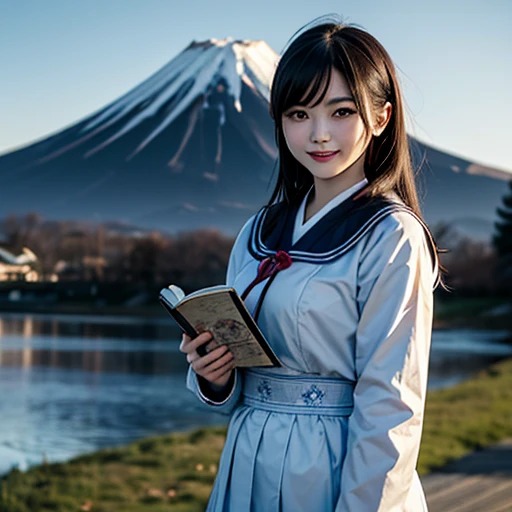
(338, 426)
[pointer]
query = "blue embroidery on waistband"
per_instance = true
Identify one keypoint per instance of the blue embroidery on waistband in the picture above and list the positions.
(264, 389)
(313, 396)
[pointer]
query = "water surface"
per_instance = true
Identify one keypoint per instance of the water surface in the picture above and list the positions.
(73, 384)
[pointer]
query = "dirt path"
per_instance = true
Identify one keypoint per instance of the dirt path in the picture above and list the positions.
(479, 482)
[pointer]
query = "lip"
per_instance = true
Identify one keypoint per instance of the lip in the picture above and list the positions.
(322, 156)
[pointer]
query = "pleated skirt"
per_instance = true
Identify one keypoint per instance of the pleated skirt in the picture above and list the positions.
(282, 454)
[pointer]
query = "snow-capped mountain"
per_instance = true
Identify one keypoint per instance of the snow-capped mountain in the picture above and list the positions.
(193, 146)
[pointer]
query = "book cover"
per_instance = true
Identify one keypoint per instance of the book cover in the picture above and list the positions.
(221, 311)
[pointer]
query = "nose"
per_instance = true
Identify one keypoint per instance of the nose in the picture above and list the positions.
(320, 133)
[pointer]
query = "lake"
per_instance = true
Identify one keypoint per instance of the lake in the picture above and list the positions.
(74, 384)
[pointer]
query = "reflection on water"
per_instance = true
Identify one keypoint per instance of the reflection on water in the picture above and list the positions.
(457, 354)
(96, 344)
(62, 413)
(73, 384)
(93, 326)
(105, 356)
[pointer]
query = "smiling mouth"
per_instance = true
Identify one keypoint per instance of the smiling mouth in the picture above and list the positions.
(322, 153)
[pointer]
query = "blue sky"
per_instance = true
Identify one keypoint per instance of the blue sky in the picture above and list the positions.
(60, 60)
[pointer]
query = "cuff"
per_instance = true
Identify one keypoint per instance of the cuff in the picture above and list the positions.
(212, 397)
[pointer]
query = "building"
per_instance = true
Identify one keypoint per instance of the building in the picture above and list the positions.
(18, 268)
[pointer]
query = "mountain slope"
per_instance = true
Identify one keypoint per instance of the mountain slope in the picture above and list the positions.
(193, 146)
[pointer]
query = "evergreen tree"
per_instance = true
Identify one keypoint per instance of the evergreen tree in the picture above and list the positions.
(502, 239)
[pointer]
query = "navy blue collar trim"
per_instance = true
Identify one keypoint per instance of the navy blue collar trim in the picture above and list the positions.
(331, 237)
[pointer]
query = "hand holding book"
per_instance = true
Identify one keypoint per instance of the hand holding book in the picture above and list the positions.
(216, 366)
(221, 311)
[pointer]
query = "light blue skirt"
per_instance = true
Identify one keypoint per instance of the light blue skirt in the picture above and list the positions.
(285, 445)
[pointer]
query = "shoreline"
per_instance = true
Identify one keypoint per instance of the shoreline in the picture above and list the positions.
(453, 314)
(178, 469)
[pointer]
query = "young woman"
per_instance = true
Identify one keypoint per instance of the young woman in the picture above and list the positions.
(347, 269)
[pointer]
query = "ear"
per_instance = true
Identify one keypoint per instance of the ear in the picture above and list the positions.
(382, 119)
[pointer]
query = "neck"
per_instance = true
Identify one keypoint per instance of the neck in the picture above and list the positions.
(326, 190)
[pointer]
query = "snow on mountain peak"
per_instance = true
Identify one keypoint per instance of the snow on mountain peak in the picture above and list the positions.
(203, 68)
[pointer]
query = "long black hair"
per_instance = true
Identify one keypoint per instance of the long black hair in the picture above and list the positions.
(304, 72)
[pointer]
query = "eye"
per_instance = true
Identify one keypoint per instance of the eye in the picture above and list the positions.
(297, 115)
(345, 112)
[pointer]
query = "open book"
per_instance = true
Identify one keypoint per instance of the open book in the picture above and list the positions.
(221, 311)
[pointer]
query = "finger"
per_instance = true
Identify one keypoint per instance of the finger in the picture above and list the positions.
(219, 362)
(211, 346)
(191, 346)
(193, 356)
(200, 340)
(185, 340)
(217, 374)
(212, 356)
(204, 361)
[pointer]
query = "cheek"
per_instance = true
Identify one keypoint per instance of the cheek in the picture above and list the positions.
(294, 138)
(359, 134)
(352, 138)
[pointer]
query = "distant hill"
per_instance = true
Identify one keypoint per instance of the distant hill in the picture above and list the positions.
(193, 146)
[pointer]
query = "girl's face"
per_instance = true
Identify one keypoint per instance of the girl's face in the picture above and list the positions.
(333, 128)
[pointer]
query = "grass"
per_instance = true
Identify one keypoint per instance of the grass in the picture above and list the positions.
(175, 472)
(467, 417)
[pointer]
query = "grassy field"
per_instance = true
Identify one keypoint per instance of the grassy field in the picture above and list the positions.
(175, 472)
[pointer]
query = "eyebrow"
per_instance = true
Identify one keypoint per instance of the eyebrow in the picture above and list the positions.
(332, 101)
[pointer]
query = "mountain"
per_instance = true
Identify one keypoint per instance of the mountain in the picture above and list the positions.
(193, 146)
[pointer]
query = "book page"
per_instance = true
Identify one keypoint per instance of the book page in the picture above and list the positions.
(217, 313)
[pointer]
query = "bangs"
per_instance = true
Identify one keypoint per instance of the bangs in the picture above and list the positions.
(304, 77)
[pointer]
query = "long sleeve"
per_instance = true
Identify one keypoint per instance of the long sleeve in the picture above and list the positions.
(199, 386)
(395, 302)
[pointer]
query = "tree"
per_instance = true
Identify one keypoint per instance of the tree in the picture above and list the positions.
(502, 239)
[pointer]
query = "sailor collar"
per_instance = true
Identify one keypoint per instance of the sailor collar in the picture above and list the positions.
(332, 236)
